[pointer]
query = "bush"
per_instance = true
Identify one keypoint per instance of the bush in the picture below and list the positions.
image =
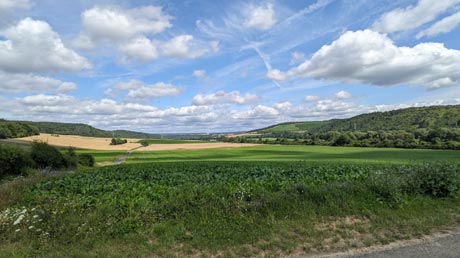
(86, 160)
(13, 161)
(118, 141)
(439, 180)
(70, 158)
(45, 156)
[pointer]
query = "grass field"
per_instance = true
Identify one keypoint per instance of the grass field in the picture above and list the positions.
(171, 141)
(294, 153)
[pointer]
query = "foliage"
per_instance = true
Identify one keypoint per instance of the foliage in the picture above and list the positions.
(13, 160)
(435, 127)
(144, 143)
(118, 141)
(46, 156)
(13, 129)
(86, 159)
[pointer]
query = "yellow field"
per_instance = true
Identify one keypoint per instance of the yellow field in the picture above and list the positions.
(96, 143)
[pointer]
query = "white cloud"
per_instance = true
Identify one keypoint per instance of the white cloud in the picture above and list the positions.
(222, 97)
(342, 95)
(258, 112)
(260, 17)
(413, 16)
(17, 83)
(139, 90)
(183, 46)
(199, 74)
(32, 46)
(276, 75)
(311, 98)
(140, 48)
(443, 26)
(297, 57)
(285, 105)
(116, 24)
(372, 58)
(6, 5)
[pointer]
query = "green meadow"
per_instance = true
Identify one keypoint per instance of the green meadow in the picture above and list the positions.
(296, 153)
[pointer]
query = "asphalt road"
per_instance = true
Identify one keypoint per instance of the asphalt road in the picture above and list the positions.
(443, 246)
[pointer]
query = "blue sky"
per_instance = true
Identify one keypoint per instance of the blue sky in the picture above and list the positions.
(219, 66)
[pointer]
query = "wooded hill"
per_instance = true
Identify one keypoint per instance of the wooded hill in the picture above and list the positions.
(15, 129)
(408, 119)
(418, 127)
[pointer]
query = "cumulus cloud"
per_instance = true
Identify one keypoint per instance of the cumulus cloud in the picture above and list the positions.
(443, 26)
(139, 90)
(184, 46)
(132, 32)
(222, 97)
(32, 46)
(311, 98)
(16, 83)
(116, 24)
(403, 19)
(140, 48)
(260, 17)
(372, 58)
(342, 95)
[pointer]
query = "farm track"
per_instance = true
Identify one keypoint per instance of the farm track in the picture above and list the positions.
(123, 157)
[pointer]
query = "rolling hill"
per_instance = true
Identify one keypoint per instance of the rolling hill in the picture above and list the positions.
(408, 119)
(15, 129)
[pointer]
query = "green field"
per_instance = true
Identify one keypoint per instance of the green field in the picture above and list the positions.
(295, 153)
(103, 157)
(170, 141)
(269, 200)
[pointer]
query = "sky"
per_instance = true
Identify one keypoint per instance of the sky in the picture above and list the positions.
(204, 66)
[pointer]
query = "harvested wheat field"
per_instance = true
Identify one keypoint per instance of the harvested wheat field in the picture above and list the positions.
(81, 142)
(95, 143)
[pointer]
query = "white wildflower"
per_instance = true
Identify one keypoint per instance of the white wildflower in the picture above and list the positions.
(19, 219)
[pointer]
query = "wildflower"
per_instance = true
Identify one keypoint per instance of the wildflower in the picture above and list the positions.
(19, 219)
(31, 227)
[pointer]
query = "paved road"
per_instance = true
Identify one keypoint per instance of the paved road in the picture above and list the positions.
(446, 246)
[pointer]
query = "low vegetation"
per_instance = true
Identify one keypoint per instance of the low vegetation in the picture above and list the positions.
(228, 209)
(118, 141)
(15, 161)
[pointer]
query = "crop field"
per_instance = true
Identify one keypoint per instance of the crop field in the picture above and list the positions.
(294, 153)
(259, 201)
(228, 209)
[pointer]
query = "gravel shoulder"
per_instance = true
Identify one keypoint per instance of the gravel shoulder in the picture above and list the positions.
(442, 245)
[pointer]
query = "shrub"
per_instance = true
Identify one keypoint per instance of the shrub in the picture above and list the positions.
(439, 180)
(86, 160)
(118, 141)
(45, 155)
(70, 158)
(13, 161)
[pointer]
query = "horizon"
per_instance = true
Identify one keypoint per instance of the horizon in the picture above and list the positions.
(200, 66)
